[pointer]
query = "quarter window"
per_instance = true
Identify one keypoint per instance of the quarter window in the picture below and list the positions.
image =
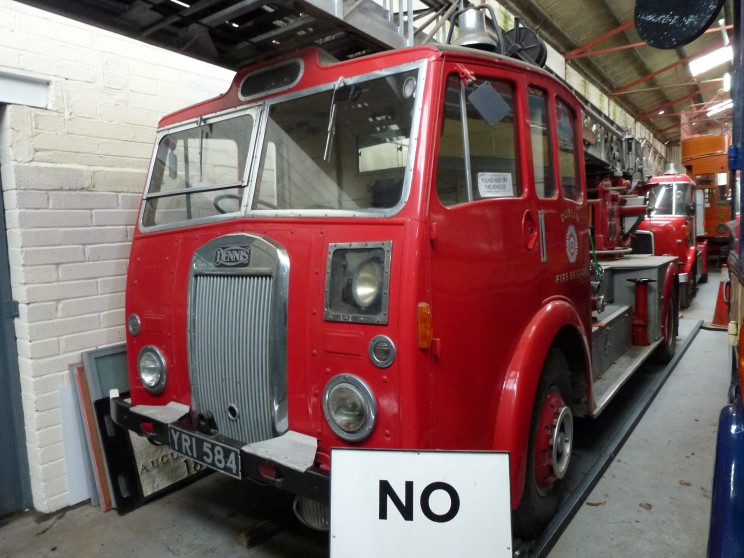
(568, 154)
(542, 154)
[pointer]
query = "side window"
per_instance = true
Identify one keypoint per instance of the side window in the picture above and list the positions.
(477, 152)
(542, 154)
(568, 154)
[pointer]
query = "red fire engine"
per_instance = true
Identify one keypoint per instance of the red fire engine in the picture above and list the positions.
(674, 208)
(393, 251)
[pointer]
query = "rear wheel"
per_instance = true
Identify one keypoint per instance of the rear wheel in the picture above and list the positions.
(549, 450)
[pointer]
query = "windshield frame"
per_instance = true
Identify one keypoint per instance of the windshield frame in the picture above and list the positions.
(420, 65)
(260, 113)
(252, 110)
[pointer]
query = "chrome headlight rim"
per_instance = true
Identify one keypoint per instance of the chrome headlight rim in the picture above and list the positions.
(368, 400)
(151, 351)
(374, 357)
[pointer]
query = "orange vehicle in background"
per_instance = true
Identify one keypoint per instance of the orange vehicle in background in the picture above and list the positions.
(706, 162)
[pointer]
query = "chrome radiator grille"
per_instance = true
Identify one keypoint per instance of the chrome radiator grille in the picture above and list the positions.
(230, 353)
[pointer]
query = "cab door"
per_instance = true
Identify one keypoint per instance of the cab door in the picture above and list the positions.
(485, 255)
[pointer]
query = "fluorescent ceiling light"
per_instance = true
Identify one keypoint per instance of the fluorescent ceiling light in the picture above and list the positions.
(711, 60)
(661, 112)
(720, 107)
(727, 81)
(184, 4)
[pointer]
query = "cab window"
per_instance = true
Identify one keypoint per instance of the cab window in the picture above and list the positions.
(542, 154)
(568, 153)
(478, 143)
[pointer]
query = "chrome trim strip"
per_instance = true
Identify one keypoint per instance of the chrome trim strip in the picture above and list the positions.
(543, 247)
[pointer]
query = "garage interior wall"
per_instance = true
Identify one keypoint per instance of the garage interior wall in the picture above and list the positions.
(72, 176)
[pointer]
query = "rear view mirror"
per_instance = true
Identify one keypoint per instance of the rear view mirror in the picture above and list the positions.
(490, 105)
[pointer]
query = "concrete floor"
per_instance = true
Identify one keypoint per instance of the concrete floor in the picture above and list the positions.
(654, 500)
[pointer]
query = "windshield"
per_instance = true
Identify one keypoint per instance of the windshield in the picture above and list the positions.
(198, 172)
(671, 198)
(342, 148)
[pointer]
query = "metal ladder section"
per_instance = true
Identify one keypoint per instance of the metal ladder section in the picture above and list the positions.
(343, 28)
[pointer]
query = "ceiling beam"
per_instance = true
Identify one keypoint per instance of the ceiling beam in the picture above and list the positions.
(583, 52)
(679, 62)
(655, 111)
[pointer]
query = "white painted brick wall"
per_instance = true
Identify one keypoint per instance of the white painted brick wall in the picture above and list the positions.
(72, 178)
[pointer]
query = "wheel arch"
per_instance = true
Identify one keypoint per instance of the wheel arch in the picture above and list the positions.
(557, 324)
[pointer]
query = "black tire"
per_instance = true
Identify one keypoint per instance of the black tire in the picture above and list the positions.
(665, 351)
(543, 490)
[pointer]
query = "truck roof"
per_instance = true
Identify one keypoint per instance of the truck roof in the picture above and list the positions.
(319, 65)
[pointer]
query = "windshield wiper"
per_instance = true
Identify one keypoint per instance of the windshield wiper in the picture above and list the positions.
(341, 92)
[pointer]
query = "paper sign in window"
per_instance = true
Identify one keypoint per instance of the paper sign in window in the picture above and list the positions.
(495, 185)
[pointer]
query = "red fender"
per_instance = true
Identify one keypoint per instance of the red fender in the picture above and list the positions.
(520, 385)
(691, 256)
(689, 264)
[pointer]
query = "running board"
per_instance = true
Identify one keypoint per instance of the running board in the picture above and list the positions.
(609, 383)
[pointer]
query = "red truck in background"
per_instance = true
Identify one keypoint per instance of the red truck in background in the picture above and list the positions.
(673, 220)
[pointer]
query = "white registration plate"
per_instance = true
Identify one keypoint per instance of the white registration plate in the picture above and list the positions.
(218, 456)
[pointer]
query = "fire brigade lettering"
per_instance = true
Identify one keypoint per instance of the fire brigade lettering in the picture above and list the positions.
(567, 214)
(233, 256)
(579, 273)
(405, 507)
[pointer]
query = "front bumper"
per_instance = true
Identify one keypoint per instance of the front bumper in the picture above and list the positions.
(285, 462)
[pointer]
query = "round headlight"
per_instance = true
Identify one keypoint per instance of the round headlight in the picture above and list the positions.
(367, 283)
(152, 369)
(381, 351)
(349, 407)
(134, 324)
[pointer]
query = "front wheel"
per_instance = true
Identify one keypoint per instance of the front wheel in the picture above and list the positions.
(549, 450)
(665, 351)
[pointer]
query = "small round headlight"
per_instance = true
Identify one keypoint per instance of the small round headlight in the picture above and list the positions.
(350, 407)
(152, 369)
(381, 351)
(134, 324)
(367, 283)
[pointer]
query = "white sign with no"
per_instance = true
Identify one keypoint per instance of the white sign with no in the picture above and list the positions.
(420, 503)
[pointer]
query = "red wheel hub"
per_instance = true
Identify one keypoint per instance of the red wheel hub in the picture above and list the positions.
(553, 441)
